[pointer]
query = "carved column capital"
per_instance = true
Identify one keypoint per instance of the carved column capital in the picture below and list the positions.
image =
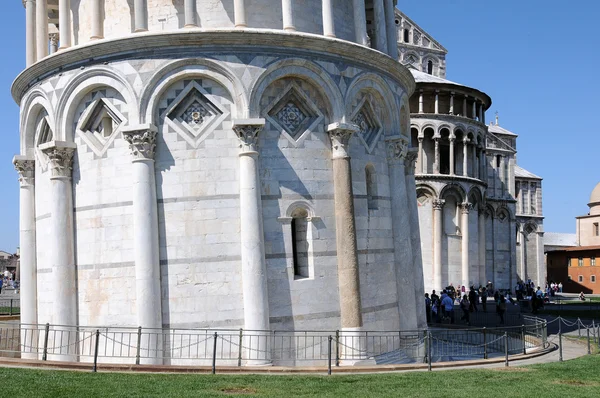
(340, 134)
(438, 204)
(247, 131)
(141, 140)
(410, 160)
(60, 157)
(26, 168)
(465, 208)
(397, 148)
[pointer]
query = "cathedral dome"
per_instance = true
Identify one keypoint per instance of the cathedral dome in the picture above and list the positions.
(595, 196)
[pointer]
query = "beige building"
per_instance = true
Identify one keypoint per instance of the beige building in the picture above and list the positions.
(588, 226)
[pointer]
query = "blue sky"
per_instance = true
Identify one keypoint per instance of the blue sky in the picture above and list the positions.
(538, 60)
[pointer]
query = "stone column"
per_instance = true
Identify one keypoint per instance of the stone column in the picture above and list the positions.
(438, 214)
(474, 165)
(437, 101)
(480, 114)
(288, 15)
(360, 22)
(466, 275)
(523, 253)
(465, 107)
(328, 24)
(54, 37)
(379, 25)
(97, 20)
(481, 230)
(61, 237)
(239, 13)
(484, 166)
(502, 175)
(452, 167)
(436, 159)
(421, 101)
(465, 157)
(345, 228)
(415, 237)
(452, 103)
(474, 110)
(41, 28)
(254, 268)
(403, 256)
(140, 8)
(190, 14)
(28, 262)
(64, 23)
(30, 48)
(392, 37)
(541, 268)
(142, 144)
(421, 164)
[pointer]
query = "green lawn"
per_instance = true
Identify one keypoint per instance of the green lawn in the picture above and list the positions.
(575, 378)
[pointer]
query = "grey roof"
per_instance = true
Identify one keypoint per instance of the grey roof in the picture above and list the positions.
(521, 172)
(559, 239)
(494, 128)
(422, 77)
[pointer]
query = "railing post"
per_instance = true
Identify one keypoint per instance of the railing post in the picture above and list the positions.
(214, 357)
(337, 348)
(11, 307)
(429, 341)
(594, 329)
(485, 353)
(560, 348)
(47, 332)
(240, 345)
(579, 327)
(95, 368)
(506, 349)
(588, 341)
(426, 353)
(523, 338)
(139, 345)
(329, 356)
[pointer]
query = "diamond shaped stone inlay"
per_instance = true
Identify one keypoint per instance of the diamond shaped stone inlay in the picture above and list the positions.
(100, 123)
(368, 125)
(195, 113)
(291, 117)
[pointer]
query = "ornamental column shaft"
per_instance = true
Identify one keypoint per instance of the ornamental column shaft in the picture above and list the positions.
(465, 106)
(41, 28)
(62, 255)
(28, 263)
(437, 102)
(64, 23)
(97, 20)
(451, 155)
(438, 206)
(465, 157)
(360, 22)
(451, 103)
(502, 176)
(481, 230)
(420, 101)
(380, 30)
(474, 110)
(421, 163)
(392, 37)
(190, 14)
(140, 9)
(401, 226)
(328, 24)
(466, 275)
(30, 49)
(239, 13)
(142, 144)
(347, 253)
(436, 159)
(288, 15)
(254, 268)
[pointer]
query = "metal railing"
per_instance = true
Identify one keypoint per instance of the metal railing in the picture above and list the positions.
(239, 347)
(10, 306)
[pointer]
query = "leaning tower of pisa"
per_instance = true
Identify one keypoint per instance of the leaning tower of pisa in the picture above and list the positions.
(217, 164)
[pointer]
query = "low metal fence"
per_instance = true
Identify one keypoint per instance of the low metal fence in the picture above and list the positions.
(10, 306)
(239, 347)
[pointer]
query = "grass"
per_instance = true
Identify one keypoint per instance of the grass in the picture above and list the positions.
(574, 378)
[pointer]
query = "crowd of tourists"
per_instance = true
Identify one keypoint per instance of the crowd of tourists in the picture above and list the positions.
(7, 280)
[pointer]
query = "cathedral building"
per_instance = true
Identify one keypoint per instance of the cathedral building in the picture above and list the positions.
(480, 214)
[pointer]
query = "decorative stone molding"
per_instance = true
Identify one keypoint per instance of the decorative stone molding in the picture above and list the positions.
(340, 134)
(60, 157)
(26, 168)
(142, 141)
(397, 148)
(438, 204)
(465, 208)
(247, 131)
(410, 160)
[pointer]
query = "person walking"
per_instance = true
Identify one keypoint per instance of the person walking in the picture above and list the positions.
(448, 305)
(484, 297)
(428, 307)
(473, 299)
(464, 306)
(501, 308)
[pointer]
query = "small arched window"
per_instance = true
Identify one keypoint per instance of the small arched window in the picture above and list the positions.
(430, 67)
(406, 36)
(371, 182)
(300, 243)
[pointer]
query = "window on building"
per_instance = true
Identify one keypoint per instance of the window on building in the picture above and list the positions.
(593, 261)
(430, 67)
(593, 278)
(569, 262)
(596, 229)
(580, 278)
(498, 157)
(580, 262)
(300, 243)
(371, 182)
(406, 36)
